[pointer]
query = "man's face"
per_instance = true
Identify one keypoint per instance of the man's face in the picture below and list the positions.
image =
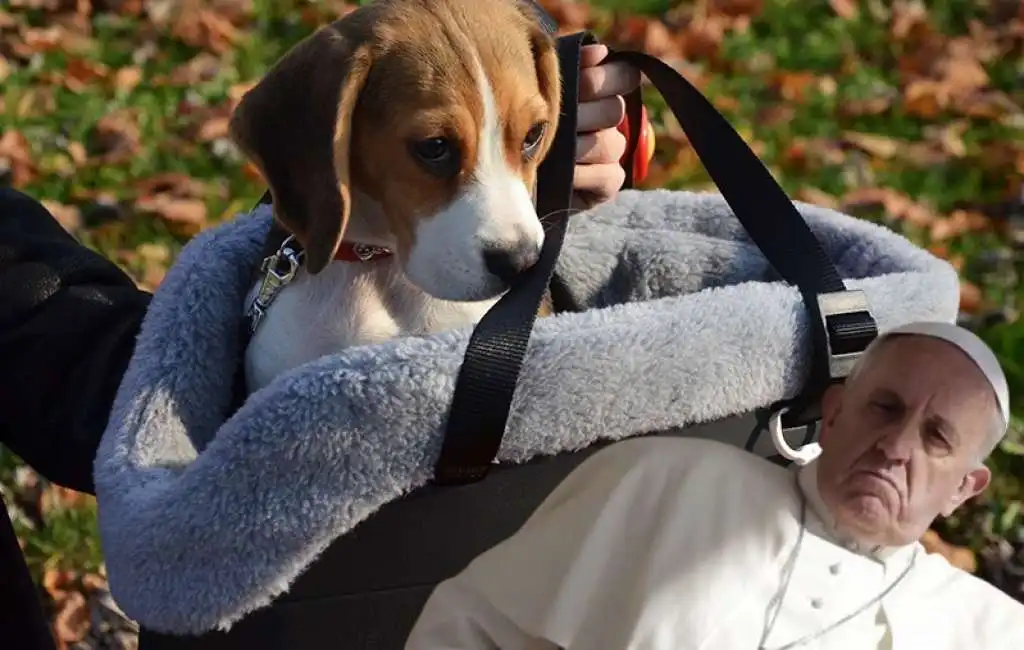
(901, 442)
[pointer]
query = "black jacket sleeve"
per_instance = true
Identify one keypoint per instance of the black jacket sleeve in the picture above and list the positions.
(68, 322)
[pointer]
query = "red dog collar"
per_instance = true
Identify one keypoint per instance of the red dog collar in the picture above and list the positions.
(355, 252)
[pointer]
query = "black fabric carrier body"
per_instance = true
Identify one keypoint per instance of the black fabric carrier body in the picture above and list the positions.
(367, 589)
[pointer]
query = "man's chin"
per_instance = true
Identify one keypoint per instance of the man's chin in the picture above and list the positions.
(866, 515)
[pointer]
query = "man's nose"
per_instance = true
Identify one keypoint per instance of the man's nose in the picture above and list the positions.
(898, 442)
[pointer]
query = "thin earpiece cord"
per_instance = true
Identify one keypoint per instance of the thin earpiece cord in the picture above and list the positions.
(777, 600)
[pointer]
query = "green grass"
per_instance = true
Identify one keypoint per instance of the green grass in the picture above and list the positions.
(848, 61)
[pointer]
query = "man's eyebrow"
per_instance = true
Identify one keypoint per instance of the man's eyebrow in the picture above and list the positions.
(887, 393)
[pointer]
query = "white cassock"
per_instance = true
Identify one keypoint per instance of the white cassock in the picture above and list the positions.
(680, 543)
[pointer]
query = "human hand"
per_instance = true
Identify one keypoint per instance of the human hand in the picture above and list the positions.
(599, 144)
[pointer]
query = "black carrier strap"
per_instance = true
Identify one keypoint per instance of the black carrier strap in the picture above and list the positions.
(489, 372)
(842, 326)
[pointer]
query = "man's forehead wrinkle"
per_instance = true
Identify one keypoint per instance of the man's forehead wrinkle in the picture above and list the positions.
(941, 403)
(885, 391)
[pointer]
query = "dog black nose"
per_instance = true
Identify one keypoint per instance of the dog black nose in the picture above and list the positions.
(509, 262)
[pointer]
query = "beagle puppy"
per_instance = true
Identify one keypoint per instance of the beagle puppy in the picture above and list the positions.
(400, 145)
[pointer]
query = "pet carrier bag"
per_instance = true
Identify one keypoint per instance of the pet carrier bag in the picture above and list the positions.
(322, 511)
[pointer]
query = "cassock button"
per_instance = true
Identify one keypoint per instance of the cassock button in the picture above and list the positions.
(834, 569)
(816, 603)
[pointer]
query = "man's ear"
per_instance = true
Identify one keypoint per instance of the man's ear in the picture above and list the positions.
(295, 126)
(831, 405)
(973, 484)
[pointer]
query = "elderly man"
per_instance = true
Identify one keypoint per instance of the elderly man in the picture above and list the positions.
(675, 543)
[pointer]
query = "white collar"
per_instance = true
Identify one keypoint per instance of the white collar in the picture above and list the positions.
(807, 479)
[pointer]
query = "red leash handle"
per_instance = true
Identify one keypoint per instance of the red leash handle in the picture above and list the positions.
(644, 152)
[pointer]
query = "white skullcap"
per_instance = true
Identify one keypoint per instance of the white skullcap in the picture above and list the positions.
(970, 344)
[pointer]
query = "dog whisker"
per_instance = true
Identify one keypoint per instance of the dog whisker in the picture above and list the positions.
(548, 219)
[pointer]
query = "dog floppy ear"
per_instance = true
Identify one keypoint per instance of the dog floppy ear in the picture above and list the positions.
(295, 126)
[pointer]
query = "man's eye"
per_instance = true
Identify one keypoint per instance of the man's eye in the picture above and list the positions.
(884, 407)
(937, 437)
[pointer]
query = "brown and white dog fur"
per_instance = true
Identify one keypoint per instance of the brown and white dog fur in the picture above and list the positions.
(345, 129)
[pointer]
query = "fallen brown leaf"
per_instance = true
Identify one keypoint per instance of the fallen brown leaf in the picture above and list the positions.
(948, 137)
(76, 151)
(94, 582)
(870, 106)
(959, 222)
(205, 123)
(876, 145)
(16, 156)
(55, 497)
(174, 183)
(187, 216)
(926, 98)
(7, 21)
(907, 16)
(776, 114)
(793, 86)
(971, 298)
(154, 260)
(703, 38)
(725, 103)
(71, 622)
(127, 79)
(204, 28)
(69, 216)
(570, 16)
(813, 153)
(846, 9)
(315, 15)
(251, 172)
(818, 197)
(959, 556)
(37, 101)
(961, 69)
(51, 38)
(81, 73)
(116, 136)
(922, 154)
(58, 583)
(736, 8)
(896, 205)
(646, 34)
(202, 67)
(988, 104)
(236, 92)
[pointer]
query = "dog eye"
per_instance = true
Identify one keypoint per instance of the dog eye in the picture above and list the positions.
(438, 155)
(533, 137)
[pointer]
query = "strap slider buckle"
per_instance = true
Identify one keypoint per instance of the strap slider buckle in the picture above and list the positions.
(849, 328)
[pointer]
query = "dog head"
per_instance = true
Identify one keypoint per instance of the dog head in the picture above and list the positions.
(437, 111)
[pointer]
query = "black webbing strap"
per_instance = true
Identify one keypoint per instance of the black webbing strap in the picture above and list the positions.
(494, 358)
(766, 213)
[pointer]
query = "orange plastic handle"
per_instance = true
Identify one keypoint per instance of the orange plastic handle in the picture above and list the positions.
(644, 148)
